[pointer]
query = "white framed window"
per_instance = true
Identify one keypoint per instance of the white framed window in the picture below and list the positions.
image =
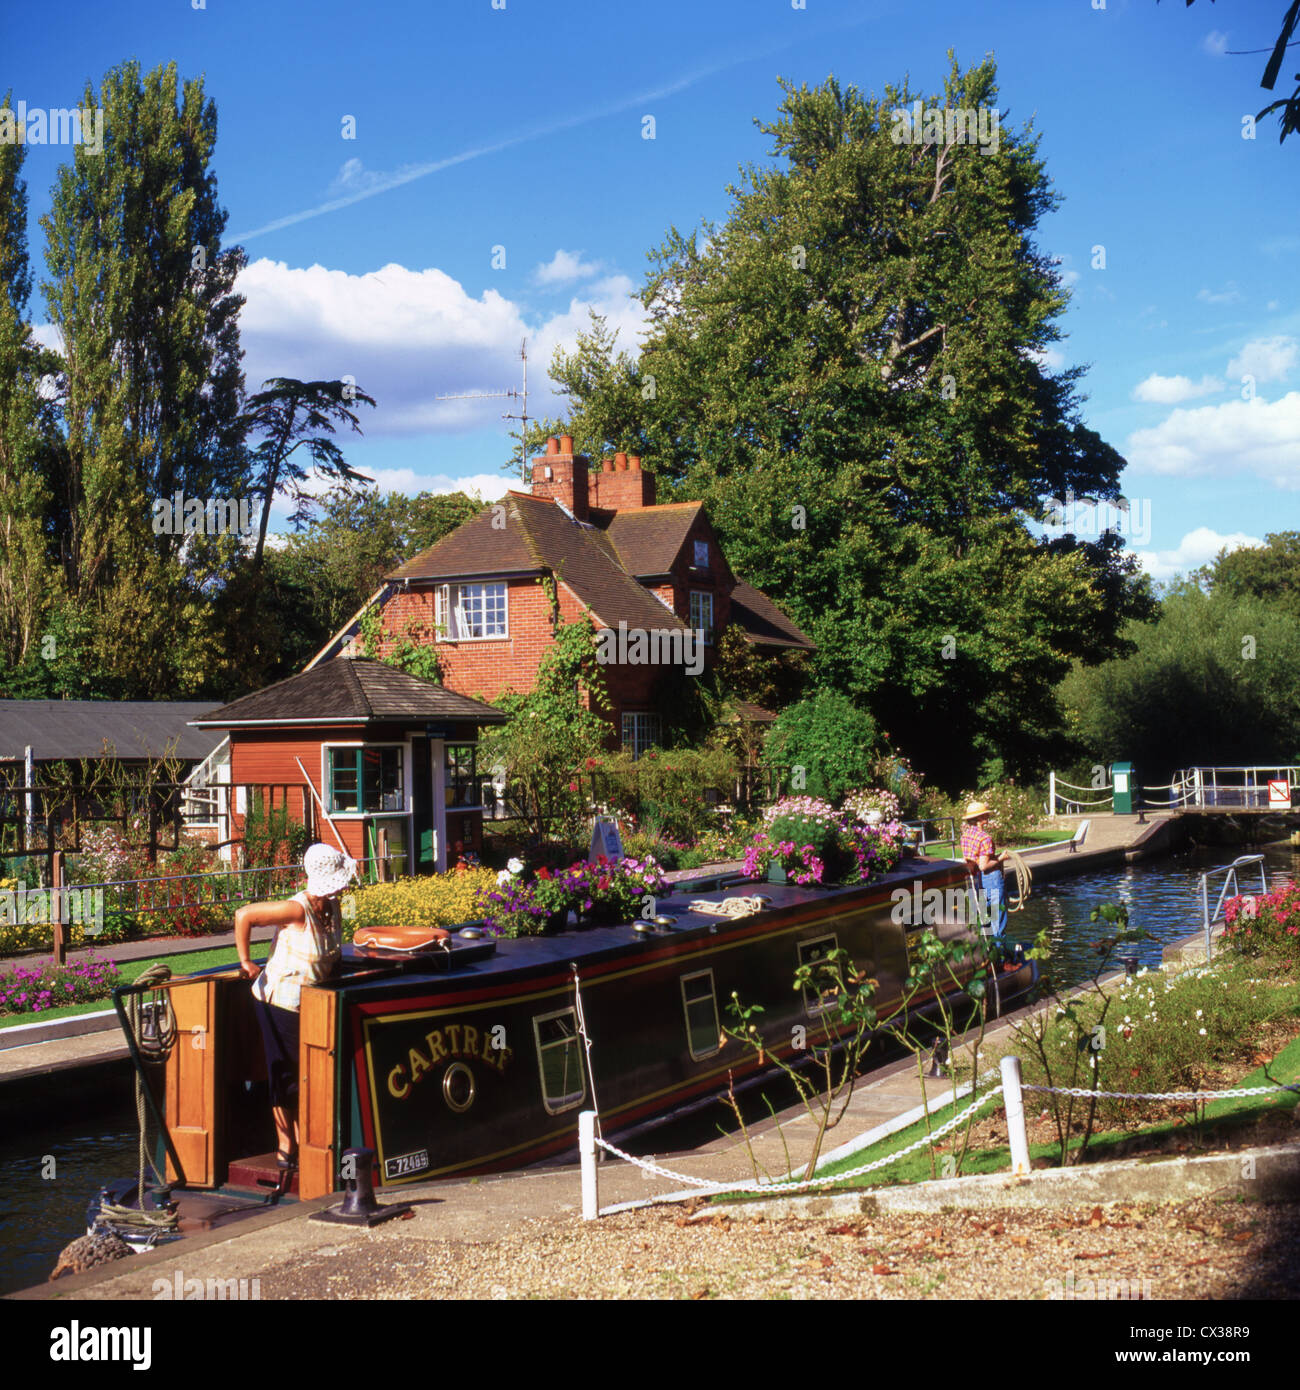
(701, 555)
(641, 732)
(559, 1059)
(699, 1000)
(470, 612)
(818, 948)
(362, 779)
(702, 614)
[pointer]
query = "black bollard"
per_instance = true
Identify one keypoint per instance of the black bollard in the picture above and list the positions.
(359, 1207)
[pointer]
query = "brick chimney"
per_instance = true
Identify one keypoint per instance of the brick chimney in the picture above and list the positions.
(561, 474)
(621, 485)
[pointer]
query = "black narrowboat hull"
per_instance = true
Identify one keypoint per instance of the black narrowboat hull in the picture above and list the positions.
(484, 1066)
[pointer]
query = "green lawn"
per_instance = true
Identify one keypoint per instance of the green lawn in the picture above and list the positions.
(183, 963)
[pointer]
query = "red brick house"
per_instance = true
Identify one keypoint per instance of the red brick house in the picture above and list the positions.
(601, 544)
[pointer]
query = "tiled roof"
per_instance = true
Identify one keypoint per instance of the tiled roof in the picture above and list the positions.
(540, 535)
(762, 621)
(478, 547)
(577, 558)
(648, 539)
(344, 690)
(79, 728)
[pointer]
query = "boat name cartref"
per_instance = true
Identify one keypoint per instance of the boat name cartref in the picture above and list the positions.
(461, 1040)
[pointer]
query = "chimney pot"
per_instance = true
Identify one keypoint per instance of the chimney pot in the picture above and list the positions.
(566, 444)
(607, 465)
(634, 462)
(552, 445)
(620, 462)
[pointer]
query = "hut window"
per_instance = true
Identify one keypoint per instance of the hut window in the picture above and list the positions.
(559, 1058)
(462, 775)
(703, 1036)
(366, 779)
(817, 1001)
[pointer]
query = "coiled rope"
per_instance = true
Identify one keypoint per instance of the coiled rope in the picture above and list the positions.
(154, 1044)
(1024, 880)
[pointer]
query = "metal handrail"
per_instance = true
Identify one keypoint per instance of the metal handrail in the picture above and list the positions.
(1230, 872)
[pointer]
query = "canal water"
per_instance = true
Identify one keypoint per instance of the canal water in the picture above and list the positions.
(39, 1214)
(1163, 898)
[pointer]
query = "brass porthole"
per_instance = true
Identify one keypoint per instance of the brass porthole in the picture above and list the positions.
(458, 1087)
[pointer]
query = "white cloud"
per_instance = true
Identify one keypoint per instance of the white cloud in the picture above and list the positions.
(489, 486)
(410, 336)
(1229, 294)
(1215, 44)
(1172, 390)
(1227, 440)
(565, 266)
(1196, 548)
(1266, 359)
(1050, 359)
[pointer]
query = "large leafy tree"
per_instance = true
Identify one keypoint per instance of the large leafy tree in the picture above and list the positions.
(850, 371)
(1214, 681)
(141, 294)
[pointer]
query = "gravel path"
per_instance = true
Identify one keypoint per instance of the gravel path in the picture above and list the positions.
(1206, 1249)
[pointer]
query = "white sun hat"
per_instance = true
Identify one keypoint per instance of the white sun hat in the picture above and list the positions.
(329, 870)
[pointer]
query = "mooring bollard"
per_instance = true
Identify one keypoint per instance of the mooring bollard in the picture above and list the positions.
(1014, 1101)
(587, 1152)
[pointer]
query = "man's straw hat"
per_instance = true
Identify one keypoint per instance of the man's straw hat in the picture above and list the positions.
(976, 811)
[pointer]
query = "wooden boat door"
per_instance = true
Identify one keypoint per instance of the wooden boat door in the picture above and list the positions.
(191, 1082)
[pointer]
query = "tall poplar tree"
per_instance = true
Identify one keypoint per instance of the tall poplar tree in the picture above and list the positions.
(28, 581)
(850, 371)
(141, 293)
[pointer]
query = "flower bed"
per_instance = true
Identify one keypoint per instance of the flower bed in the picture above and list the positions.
(1265, 925)
(47, 987)
(433, 900)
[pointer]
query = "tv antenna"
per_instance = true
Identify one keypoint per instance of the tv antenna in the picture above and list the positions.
(521, 396)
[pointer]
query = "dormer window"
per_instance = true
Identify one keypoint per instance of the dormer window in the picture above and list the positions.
(701, 555)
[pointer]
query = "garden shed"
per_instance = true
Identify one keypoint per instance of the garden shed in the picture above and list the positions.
(383, 751)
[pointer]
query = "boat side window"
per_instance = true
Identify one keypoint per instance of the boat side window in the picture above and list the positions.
(699, 1000)
(559, 1058)
(816, 1002)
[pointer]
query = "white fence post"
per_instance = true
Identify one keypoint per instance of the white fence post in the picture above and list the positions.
(1051, 794)
(587, 1151)
(1015, 1108)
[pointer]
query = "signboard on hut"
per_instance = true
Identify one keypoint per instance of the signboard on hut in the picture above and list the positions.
(605, 840)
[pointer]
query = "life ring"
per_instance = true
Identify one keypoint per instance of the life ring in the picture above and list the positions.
(400, 938)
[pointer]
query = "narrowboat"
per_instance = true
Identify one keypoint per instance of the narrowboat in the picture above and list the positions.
(477, 1054)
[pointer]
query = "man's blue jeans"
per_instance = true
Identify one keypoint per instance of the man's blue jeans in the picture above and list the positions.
(995, 898)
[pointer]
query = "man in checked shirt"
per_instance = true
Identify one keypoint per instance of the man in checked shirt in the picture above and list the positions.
(983, 860)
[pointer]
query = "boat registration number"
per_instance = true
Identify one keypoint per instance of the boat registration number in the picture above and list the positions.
(402, 1165)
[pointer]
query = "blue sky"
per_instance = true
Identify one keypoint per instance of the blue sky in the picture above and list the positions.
(481, 125)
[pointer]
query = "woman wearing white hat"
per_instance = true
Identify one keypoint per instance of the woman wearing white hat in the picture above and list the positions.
(306, 948)
(979, 851)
